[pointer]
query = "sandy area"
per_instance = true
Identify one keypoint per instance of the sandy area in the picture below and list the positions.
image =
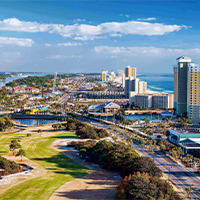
(14, 179)
(98, 184)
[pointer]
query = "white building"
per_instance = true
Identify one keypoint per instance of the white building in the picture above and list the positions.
(161, 101)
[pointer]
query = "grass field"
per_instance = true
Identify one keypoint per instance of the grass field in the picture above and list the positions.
(58, 168)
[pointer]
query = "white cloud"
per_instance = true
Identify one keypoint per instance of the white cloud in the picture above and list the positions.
(148, 51)
(91, 32)
(47, 44)
(79, 20)
(63, 56)
(147, 19)
(75, 56)
(23, 42)
(113, 56)
(115, 35)
(124, 15)
(56, 56)
(69, 44)
(89, 37)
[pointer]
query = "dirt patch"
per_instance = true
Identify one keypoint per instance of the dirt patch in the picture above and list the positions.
(99, 184)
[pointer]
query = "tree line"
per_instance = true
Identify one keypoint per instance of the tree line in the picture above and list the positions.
(82, 130)
(141, 175)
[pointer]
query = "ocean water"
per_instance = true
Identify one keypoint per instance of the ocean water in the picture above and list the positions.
(162, 83)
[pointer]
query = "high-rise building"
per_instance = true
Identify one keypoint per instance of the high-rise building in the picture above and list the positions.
(130, 72)
(112, 76)
(127, 80)
(123, 81)
(142, 88)
(120, 73)
(104, 75)
(187, 89)
(133, 84)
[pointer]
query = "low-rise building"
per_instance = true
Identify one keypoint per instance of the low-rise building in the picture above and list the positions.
(110, 107)
(188, 139)
(144, 101)
(161, 101)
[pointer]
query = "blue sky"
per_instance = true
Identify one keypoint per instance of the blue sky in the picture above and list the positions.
(89, 36)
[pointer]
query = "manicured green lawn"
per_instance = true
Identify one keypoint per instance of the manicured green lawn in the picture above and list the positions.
(6, 139)
(59, 169)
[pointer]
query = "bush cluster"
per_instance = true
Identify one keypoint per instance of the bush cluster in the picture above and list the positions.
(84, 130)
(116, 156)
(9, 167)
(144, 187)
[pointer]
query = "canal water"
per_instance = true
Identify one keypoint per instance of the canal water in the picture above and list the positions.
(139, 117)
(36, 122)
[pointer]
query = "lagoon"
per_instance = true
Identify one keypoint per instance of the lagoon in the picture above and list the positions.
(36, 122)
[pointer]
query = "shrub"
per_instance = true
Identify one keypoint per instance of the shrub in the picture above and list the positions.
(9, 167)
(142, 186)
(84, 130)
(142, 164)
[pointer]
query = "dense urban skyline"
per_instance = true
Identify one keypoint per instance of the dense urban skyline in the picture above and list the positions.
(88, 36)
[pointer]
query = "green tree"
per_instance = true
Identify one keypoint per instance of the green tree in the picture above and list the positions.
(21, 153)
(28, 135)
(40, 132)
(189, 191)
(147, 121)
(14, 146)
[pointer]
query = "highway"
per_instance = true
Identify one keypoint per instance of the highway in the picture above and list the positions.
(69, 95)
(178, 174)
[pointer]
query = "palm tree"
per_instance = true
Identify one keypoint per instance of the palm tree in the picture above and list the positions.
(173, 152)
(188, 190)
(179, 151)
(40, 132)
(188, 158)
(14, 145)
(147, 121)
(129, 141)
(113, 120)
(21, 153)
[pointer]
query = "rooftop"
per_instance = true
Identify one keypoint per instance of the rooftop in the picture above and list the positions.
(187, 130)
(183, 59)
(189, 144)
(111, 105)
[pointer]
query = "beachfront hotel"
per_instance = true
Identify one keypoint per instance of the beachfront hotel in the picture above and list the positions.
(155, 100)
(130, 72)
(138, 95)
(186, 89)
(104, 75)
(133, 85)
